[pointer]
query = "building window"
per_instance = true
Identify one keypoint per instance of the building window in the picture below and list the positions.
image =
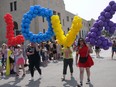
(43, 19)
(71, 19)
(15, 25)
(64, 32)
(67, 18)
(68, 29)
(63, 22)
(43, 30)
(15, 5)
(54, 12)
(11, 6)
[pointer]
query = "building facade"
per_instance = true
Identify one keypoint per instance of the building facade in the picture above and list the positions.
(18, 7)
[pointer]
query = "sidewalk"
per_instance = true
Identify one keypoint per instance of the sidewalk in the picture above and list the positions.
(103, 74)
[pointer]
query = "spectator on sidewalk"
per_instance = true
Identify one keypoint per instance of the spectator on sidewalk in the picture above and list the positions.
(97, 51)
(113, 48)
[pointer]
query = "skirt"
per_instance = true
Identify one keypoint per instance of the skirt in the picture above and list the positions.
(20, 61)
(88, 63)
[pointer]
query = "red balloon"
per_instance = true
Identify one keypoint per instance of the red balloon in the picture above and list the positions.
(12, 40)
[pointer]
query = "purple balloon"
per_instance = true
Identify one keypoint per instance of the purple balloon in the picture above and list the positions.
(107, 14)
(95, 24)
(93, 34)
(98, 33)
(99, 42)
(112, 30)
(102, 13)
(112, 12)
(114, 7)
(102, 38)
(107, 28)
(114, 24)
(93, 29)
(112, 3)
(101, 23)
(104, 43)
(105, 24)
(102, 18)
(110, 23)
(109, 44)
(108, 8)
(100, 29)
(92, 41)
(87, 39)
(105, 47)
(89, 34)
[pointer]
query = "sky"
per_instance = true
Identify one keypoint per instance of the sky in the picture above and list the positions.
(87, 9)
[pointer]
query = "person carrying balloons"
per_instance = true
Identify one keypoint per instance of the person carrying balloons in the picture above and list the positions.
(68, 61)
(34, 59)
(85, 61)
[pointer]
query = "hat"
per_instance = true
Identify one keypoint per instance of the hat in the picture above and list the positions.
(18, 45)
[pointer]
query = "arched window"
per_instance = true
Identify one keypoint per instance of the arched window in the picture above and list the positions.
(15, 25)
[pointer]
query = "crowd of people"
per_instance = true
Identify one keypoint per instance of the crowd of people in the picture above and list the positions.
(38, 54)
(34, 55)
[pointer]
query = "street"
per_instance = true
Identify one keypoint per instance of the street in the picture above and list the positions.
(103, 74)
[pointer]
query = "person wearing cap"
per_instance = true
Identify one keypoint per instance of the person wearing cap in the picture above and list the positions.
(34, 59)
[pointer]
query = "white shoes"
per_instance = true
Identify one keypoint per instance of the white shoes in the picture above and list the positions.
(31, 79)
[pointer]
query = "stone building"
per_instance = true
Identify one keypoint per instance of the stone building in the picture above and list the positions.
(18, 7)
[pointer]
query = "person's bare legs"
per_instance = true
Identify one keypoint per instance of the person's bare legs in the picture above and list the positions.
(112, 54)
(88, 74)
(81, 75)
(17, 69)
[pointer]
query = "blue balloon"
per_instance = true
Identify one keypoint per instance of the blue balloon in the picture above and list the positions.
(27, 18)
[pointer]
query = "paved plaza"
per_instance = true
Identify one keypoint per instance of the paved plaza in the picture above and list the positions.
(103, 74)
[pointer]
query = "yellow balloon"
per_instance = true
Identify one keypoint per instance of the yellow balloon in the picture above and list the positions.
(68, 39)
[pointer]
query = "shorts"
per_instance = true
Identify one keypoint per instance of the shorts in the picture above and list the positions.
(20, 61)
(11, 60)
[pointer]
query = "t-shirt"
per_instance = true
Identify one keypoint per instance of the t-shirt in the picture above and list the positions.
(34, 56)
(67, 54)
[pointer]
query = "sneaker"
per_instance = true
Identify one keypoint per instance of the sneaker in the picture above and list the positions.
(80, 85)
(63, 78)
(31, 79)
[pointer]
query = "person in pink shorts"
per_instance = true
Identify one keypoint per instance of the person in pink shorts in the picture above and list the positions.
(19, 60)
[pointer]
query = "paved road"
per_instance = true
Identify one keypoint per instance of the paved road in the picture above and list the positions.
(103, 74)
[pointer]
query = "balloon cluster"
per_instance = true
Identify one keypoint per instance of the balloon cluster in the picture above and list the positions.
(94, 37)
(12, 40)
(67, 40)
(26, 21)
